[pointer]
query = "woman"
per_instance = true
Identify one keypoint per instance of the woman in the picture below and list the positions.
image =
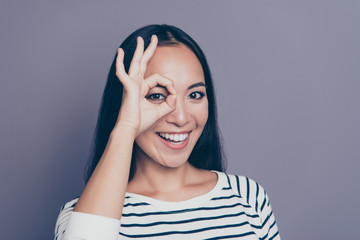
(156, 170)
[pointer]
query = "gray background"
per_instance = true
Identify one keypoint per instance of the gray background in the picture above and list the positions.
(287, 81)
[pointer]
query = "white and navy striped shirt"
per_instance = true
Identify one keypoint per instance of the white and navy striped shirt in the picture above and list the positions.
(236, 208)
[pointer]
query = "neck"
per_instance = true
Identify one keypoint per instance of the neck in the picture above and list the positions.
(163, 179)
(151, 176)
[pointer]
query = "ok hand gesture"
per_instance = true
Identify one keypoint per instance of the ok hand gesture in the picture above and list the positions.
(136, 111)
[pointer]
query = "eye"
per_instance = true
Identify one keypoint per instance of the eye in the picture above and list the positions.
(196, 95)
(156, 97)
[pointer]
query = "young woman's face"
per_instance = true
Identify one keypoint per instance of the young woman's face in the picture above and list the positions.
(170, 141)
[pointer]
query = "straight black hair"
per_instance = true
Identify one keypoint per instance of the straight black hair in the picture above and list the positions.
(207, 153)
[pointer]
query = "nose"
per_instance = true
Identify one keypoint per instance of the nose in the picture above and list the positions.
(180, 116)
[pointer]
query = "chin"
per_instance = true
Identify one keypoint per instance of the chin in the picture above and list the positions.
(161, 158)
(173, 162)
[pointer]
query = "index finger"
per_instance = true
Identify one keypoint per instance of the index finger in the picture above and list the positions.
(120, 69)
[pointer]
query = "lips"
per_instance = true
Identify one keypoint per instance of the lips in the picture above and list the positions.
(174, 137)
(175, 141)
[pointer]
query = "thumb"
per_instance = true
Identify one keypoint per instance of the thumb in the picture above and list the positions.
(167, 106)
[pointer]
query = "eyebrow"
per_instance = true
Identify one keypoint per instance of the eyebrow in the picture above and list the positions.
(199, 84)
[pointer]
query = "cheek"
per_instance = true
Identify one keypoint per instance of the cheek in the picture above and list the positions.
(144, 140)
(202, 113)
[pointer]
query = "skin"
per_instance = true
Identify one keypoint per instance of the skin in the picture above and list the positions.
(157, 164)
(163, 92)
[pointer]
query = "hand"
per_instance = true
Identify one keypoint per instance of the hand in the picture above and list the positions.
(136, 111)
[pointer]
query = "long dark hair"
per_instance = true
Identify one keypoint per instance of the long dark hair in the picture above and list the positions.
(207, 153)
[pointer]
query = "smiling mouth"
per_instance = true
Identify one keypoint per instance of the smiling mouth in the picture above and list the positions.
(174, 138)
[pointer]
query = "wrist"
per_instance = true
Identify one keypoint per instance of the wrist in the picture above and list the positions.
(124, 129)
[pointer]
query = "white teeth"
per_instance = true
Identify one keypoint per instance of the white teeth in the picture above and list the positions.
(174, 137)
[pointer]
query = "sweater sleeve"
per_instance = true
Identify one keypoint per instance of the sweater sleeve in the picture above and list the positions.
(82, 226)
(269, 227)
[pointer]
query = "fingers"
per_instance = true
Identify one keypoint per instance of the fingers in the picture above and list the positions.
(157, 79)
(136, 60)
(148, 55)
(167, 106)
(140, 59)
(120, 69)
(170, 102)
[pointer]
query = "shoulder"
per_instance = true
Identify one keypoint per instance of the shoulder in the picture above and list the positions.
(255, 195)
(249, 190)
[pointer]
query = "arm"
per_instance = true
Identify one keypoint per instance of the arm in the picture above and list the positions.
(105, 191)
(100, 204)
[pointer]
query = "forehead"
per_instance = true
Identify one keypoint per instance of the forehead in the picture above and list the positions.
(177, 63)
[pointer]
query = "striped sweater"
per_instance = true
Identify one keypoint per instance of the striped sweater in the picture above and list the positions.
(236, 208)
